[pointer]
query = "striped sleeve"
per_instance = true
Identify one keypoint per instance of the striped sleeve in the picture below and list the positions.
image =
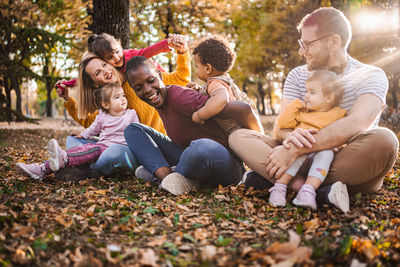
(373, 81)
(294, 84)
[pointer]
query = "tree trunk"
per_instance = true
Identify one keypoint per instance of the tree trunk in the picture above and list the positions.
(112, 17)
(269, 92)
(18, 95)
(262, 96)
(7, 87)
(49, 112)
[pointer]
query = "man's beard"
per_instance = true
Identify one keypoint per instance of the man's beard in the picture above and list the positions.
(320, 62)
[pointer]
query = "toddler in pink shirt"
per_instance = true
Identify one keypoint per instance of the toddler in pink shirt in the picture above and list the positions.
(110, 124)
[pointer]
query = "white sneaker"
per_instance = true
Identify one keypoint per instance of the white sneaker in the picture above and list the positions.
(339, 197)
(177, 184)
(57, 156)
(142, 173)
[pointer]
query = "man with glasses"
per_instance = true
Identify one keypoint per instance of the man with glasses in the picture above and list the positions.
(369, 152)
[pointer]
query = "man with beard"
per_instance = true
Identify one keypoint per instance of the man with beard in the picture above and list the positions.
(369, 151)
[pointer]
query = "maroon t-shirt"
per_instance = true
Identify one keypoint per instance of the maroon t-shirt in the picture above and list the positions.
(176, 114)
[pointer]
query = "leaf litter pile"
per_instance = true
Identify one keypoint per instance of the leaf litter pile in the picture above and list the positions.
(121, 221)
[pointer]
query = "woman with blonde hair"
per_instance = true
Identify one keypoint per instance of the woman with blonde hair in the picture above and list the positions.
(94, 72)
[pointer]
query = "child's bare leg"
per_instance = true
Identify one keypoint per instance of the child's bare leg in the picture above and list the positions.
(314, 182)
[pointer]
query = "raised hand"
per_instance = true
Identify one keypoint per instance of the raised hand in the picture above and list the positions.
(177, 42)
(62, 90)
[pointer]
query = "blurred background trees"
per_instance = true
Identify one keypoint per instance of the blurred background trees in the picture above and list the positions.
(42, 41)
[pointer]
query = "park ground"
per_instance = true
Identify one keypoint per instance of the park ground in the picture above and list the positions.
(121, 221)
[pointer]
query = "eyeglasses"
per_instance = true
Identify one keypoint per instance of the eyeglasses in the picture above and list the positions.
(305, 45)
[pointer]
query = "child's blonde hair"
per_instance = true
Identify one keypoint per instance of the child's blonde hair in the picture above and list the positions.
(331, 83)
(103, 94)
(102, 44)
(86, 102)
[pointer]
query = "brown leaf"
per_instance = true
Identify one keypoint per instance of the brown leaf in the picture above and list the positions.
(148, 257)
(208, 252)
(63, 222)
(157, 241)
(312, 224)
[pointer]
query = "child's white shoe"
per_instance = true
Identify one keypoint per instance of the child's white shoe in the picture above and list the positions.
(306, 197)
(57, 156)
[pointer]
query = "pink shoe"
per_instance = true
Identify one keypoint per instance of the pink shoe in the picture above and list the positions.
(33, 170)
(58, 157)
(306, 197)
(277, 195)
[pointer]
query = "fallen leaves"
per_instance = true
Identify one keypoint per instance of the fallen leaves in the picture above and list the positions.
(120, 221)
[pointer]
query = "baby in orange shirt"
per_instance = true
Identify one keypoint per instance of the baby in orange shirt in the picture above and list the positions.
(320, 108)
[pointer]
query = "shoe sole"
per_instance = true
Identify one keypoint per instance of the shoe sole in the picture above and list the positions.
(53, 155)
(171, 187)
(339, 196)
(27, 173)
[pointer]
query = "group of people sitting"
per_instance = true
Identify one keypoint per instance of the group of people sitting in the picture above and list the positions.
(168, 130)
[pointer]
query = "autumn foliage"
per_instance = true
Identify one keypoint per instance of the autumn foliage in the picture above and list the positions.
(120, 221)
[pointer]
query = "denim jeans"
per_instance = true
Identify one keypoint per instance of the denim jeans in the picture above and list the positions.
(115, 156)
(204, 159)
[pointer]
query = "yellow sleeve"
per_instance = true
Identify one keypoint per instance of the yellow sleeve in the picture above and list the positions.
(146, 113)
(287, 119)
(181, 76)
(72, 108)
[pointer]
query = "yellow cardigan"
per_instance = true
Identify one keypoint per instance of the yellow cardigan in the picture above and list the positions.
(297, 116)
(146, 113)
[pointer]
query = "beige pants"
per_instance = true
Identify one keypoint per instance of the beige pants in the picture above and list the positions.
(361, 165)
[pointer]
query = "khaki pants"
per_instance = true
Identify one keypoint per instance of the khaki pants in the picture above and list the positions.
(361, 165)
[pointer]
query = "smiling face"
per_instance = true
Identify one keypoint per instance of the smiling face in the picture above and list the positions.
(117, 103)
(116, 57)
(315, 99)
(317, 55)
(100, 72)
(147, 83)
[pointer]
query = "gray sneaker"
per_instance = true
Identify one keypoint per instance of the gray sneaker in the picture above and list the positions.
(339, 197)
(177, 184)
(142, 173)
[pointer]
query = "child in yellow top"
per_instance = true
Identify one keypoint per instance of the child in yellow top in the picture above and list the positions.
(320, 108)
(213, 59)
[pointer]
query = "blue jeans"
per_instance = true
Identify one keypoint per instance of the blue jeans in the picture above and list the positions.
(115, 156)
(204, 159)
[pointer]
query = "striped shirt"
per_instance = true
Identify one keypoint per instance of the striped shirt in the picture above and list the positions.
(358, 78)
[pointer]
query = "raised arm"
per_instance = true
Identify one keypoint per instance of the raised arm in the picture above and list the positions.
(153, 50)
(181, 76)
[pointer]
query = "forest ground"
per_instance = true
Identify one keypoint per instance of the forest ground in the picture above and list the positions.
(121, 221)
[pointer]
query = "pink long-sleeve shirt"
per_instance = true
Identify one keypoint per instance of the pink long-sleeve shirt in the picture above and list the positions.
(110, 128)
